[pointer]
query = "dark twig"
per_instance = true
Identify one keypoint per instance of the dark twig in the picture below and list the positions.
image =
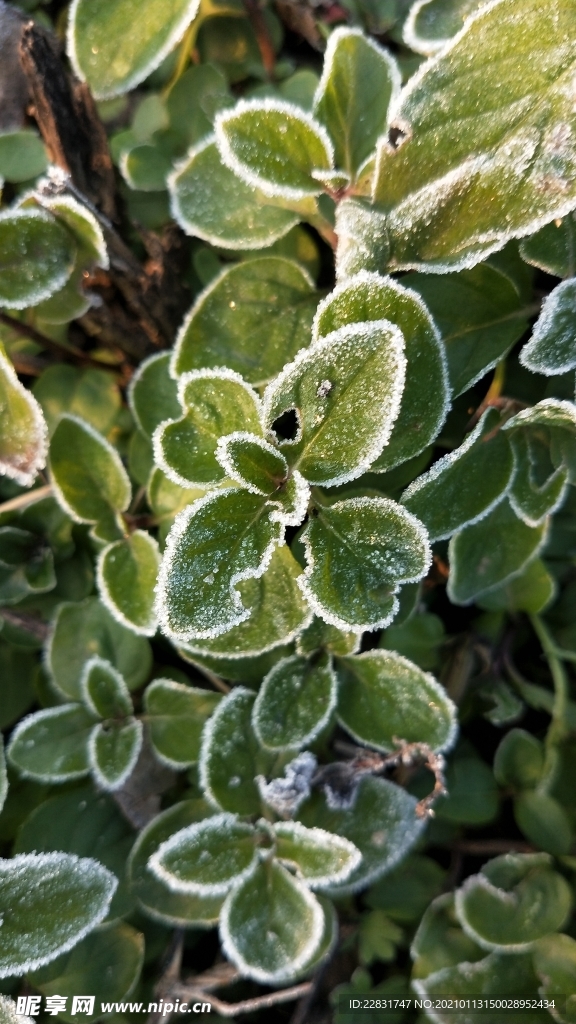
(263, 38)
(189, 992)
(60, 351)
(28, 623)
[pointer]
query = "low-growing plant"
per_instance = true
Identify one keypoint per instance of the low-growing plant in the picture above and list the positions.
(286, 535)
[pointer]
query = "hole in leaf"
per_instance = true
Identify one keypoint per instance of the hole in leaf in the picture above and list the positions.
(286, 426)
(396, 136)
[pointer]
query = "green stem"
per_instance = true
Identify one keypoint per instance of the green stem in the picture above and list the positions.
(558, 729)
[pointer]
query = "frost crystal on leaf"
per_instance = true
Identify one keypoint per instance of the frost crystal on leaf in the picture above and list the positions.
(286, 795)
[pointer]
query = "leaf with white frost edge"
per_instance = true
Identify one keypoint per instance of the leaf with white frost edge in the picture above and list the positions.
(48, 903)
(358, 553)
(464, 486)
(294, 703)
(88, 478)
(384, 696)
(210, 202)
(432, 23)
(270, 925)
(214, 403)
(113, 750)
(363, 242)
(552, 347)
(252, 318)
(252, 462)
(152, 393)
(3, 775)
(175, 715)
(103, 689)
(365, 297)
(208, 857)
(497, 975)
(558, 418)
(126, 573)
(115, 48)
(52, 745)
(320, 636)
(274, 146)
(321, 858)
(36, 257)
(346, 390)
(228, 758)
(82, 223)
(23, 429)
(533, 501)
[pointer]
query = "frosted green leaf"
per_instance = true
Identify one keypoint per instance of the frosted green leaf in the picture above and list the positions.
(515, 900)
(367, 297)
(193, 101)
(228, 760)
(113, 750)
(254, 317)
(215, 402)
(295, 702)
(206, 858)
(382, 823)
(491, 552)
(93, 395)
(211, 202)
(88, 477)
(320, 636)
(519, 760)
(274, 146)
(48, 903)
(468, 176)
(3, 775)
(464, 486)
(23, 431)
(253, 462)
(553, 248)
(36, 257)
(175, 716)
(114, 48)
(145, 167)
(531, 592)
(431, 23)
(321, 858)
(554, 961)
(538, 489)
(127, 571)
(215, 543)
(358, 553)
(383, 696)
(179, 910)
(22, 155)
(480, 316)
(52, 745)
(82, 225)
(552, 347)
(362, 238)
(103, 690)
(278, 611)
(153, 393)
(554, 422)
(495, 976)
(107, 963)
(271, 925)
(82, 630)
(346, 390)
(439, 941)
(359, 80)
(544, 821)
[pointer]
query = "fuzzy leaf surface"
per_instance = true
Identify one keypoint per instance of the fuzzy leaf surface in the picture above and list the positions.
(208, 857)
(228, 760)
(127, 572)
(552, 347)
(535, 494)
(36, 257)
(294, 703)
(52, 745)
(431, 23)
(153, 393)
(3, 775)
(113, 751)
(104, 691)
(23, 431)
(552, 248)
(252, 462)
(321, 858)
(176, 715)
(495, 975)
(89, 479)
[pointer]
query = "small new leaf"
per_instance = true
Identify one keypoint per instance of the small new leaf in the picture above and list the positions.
(552, 347)
(103, 690)
(113, 750)
(127, 571)
(36, 257)
(321, 858)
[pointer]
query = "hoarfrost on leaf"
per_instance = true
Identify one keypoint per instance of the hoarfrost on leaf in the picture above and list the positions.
(321, 858)
(552, 347)
(208, 857)
(286, 795)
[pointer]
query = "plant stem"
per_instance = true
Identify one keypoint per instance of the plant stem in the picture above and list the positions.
(557, 730)
(28, 498)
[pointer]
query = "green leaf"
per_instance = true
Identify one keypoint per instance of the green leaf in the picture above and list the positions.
(519, 760)
(145, 167)
(552, 347)
(48, 902)
(36, 257)
(363, 242)
(26, 565)
(320, 858)
(496, 975)
(408, 890)
(103, 690)
(418, 638)
(271, 925)
(346, 390)
(537, 488)
(92, 395)
(554, 960)
(431, 23)
(52, 745)
(22, 155)
(3, 775)
(82, 630)
(254, 317)
(209, 201)
(295, 702)
(544, 822)
(216, 542)
(176, 715)
(320, 636)
(208, 857)
(180, 910)
(358, 552)
(472, 792)
(383, 696)
(88, 477)
(552, 248)
(466, 178)
(480, 315)
(153, 393)
(466, 485)
(489, 553)
(382, 823)
(274, 146)
(126, 572)
(365, 297)
(113, 751)
(215, 402)
(516, 899)
(359, 80)
(552, 422)
(116, 49)
(107, 964)
(23, 433)
(193, 101)
(228, 760)
(440, 941)
(254, 463)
